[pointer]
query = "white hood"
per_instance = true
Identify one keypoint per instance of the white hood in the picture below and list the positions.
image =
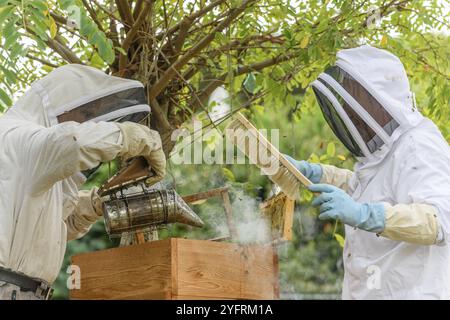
(66, 88)
(384, 76)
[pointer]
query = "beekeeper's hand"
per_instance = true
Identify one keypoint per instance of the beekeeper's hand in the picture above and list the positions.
(87, 211)
(312, 171)
(335, 203)
(139, 140)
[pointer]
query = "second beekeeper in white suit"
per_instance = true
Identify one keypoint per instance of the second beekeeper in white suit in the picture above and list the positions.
(71, 120)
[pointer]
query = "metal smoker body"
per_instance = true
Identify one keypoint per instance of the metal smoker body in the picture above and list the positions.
(139, 208)
(132, 208)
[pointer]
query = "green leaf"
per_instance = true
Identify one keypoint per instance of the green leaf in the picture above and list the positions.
(39, 5)
(97, 39)
(88, 30)
(39, 27)
(16, 50)
(106, 50)
(305, 41)
(331, 149)
(66, 3)
(278, 72)
(47, 68)
(258, 108)
(384, 41)
(9, 75)
(314, 158)
(11, 39)
(250, 83)
(219, 37)
(120, 49)
(53, 28)
(40, 15)
(4, 97)
(96, 61)
(229, 176)
(5, 12)
(340, 239)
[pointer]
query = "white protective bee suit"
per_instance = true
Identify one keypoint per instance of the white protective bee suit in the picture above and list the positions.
(403, 161)
(42, 155)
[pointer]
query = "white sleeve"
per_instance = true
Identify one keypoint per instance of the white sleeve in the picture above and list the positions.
(48, 155)
(424, 178)
(336, 176)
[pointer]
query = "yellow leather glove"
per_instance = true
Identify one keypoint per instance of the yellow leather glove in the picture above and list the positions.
(87, 211)
(139, 140)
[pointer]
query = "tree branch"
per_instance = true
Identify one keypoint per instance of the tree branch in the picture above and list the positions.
(125, 13)
(137, 8)
(58, 47)
(186, 23)
(235, 44)
(191, 17)
(45, 62)
(109, 13)
(258, 66)
(58, 18)
(132, 33)
(159, 115)
(200, 99)
(93, 15)
(63, 51)
(203, 43)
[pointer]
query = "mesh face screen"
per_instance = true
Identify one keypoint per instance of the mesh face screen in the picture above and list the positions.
(336, 124)
(366, 132)
(367, 101)
(364, 98)
(107, 104)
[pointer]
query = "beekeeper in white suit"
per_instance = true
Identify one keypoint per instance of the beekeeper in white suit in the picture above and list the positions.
(56, 130)
(396, 202)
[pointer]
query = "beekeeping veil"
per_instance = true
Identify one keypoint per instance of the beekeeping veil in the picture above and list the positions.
(80, 93)
(366, 100)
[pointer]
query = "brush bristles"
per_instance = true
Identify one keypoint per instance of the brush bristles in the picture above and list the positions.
(288, 182)
(260, 154)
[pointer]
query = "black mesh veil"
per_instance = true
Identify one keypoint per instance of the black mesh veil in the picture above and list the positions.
(336, 124)
(366, 101)
(108, 104)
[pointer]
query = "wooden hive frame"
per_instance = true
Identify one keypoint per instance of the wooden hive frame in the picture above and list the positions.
(279, 212)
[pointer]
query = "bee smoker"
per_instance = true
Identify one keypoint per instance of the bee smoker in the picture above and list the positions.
(134, 211)
(139, 208)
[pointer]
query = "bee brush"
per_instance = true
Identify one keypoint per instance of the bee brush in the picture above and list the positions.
(240, 132)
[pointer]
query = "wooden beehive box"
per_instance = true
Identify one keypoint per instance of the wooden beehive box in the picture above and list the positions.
(179, 269)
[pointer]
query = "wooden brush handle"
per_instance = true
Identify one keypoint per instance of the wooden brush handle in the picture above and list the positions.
(285, 162)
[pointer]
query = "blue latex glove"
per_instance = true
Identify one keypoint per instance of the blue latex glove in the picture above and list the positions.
(312, 171)
(335, 203)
